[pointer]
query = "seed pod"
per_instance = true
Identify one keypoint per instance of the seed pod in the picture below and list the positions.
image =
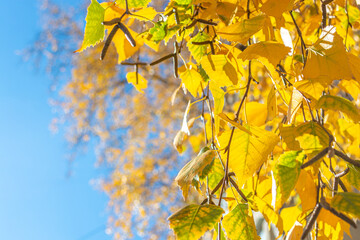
(108, 41)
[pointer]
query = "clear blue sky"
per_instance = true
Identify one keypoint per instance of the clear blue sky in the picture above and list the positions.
(37, 200)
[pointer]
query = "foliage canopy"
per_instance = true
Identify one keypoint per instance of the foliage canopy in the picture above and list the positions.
(271, 93)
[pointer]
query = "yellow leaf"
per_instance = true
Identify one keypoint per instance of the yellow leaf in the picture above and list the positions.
(123, 47)
(218, 94)
(310, 88)
(112, 11)
(191, 80)
(330, 226)
(137, 80)
(276, 8)
(272, 51)
(354, 63)
(144, 14)
(295, 104)
(189, 171)
(328, 60)
(288, 134)
(271, 104)
(295, 232)
(220, 69)
(306, 189)
(269, 214)
(224, 117)
(242, 31)
(255, 114)
(339, 104)
(290, 215)
(352, 87)
(247, 152)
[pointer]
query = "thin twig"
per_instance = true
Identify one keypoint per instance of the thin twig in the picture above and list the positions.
(316, 158)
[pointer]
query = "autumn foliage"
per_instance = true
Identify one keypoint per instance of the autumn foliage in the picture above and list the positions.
(263, 96)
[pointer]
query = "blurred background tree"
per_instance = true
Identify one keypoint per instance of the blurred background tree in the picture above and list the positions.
(130, 129)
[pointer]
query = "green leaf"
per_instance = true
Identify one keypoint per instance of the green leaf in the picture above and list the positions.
(216, 174)
(198, 51)
(94, 29)
(191, 222)
(238, 224)
(133, 3)
(183, 2)
(189, 171)
(286, 174)
(339, 104)
(158, 32)
(354, 176)
(347, 202)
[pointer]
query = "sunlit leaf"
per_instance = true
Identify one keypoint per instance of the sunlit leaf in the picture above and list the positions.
(224, 117)
(272, 51)
(144, 14)
(336, 103)
(183, 2)
(191, 80)
(271, 104)
(295, 232)
(133, 3)
(158, 32)
(220, 69)
(276, 8)
(247, 152)
(351, 86)
(242, 31)
(255, 113)
(295, 104)
(328, 60)
(94, 29)
(290, 215)
(239, 225)
(310, 88)
(191, 222)
(218, 95)
(269, 214)
(306, 189)
(354, 63)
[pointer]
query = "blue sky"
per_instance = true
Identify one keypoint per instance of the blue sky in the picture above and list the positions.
(37, 200)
